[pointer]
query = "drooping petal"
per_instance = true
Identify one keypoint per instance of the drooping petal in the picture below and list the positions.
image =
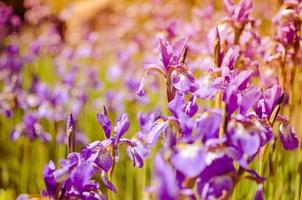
(272, 98)
(136, 158)
(107, 183)
(149, 68)
(288, 137)
(129, 142)
(216, 178)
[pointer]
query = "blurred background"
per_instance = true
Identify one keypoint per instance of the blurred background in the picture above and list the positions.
(76, 56)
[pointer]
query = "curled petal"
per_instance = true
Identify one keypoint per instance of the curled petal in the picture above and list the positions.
(129, 142)
(149, 68)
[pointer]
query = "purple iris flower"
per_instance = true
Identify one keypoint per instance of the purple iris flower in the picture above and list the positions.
(31, 128)
(121, 127)
(172, 68)
(238, 13)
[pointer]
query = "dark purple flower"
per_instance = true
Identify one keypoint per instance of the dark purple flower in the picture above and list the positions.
(288, 137)
(31, 128)
(238, 13)
(49, 179)
(96, 152)
(217, 177)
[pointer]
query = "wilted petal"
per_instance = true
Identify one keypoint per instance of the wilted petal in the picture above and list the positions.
(288, 137)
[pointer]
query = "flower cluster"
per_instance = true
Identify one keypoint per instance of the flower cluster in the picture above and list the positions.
(228, 105)
(74, 178)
